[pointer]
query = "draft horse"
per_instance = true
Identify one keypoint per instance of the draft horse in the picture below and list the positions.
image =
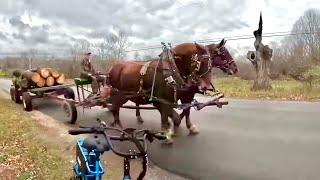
(134, 82)
(186, 60)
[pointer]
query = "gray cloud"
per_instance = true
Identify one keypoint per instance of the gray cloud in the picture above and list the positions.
(16, 22)
(3, 36)
(149, 21)
(29, 35)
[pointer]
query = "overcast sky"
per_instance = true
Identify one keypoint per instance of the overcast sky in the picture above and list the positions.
(54, 25)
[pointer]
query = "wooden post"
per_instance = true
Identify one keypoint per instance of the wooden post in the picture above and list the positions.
(260, 59)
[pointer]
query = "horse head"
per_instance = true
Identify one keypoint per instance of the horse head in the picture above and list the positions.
(221, 58)
(201, 66)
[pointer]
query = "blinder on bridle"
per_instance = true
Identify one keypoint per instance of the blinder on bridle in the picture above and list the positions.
(197, 62)
(221, 53)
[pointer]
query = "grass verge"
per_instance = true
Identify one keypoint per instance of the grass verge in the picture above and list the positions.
(22, 154)
(282, 89)
(3, 74)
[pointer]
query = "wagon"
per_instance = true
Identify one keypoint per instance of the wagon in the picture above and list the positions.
(26, 96)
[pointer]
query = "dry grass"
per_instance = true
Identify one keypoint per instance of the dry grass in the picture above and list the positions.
(282, 89)
(22, 154)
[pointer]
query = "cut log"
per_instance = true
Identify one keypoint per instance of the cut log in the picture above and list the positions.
(35, 77)
(60, 79)
(50, 81)
(32, 77)
(44, 72)
(42, 82)
(54, 73)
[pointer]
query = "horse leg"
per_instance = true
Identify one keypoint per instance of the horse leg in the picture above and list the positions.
(139, 118)
(176, 120)
(167, 124)
(115, 113)
(192, 127)
(117, 102)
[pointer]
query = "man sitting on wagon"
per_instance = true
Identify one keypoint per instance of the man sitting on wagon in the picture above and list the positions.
(88, 72)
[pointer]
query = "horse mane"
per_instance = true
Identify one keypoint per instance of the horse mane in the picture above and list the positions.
(212, 46)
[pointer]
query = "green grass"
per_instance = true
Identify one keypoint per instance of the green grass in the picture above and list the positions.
(22, 150)
(3, 74)
(283, 89)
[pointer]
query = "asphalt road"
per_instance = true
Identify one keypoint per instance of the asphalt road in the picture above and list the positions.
(248, 139)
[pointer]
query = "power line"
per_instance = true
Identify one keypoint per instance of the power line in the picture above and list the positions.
(239, 37)
(229, 38)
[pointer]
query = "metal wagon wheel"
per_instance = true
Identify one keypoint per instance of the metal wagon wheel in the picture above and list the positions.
(69, 93)
(70, 109)
(15, 96)
(26, 101)
(12, 89)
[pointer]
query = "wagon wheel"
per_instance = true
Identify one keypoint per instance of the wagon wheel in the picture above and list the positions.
(70, 109)
(26, 101)
(12, 89)
(69, 93)
(14, 93)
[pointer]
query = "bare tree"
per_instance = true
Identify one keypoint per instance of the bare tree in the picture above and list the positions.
(116, 44)
(31, 57)
(309, 26)
(101, 50)
(261, 60)
(80, 47)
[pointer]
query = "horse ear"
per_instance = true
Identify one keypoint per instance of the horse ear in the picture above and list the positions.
(222, 43)
(200, 48)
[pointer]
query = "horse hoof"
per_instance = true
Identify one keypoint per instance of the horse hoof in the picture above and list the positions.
(193, 130)
(140, 120)
(176, 130)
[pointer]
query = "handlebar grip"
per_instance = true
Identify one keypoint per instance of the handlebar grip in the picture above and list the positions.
(224, 103)
(81, 131)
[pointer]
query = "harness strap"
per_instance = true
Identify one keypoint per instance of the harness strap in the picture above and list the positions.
(143, 72)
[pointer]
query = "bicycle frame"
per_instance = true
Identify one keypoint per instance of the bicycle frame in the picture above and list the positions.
(88, 165)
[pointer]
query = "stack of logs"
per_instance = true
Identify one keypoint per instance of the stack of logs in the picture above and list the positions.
(40, 77)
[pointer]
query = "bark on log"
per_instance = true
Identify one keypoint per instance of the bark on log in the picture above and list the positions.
(60, 79)
(42, 82)
(50, 81)
(32, 77)
(54, 73)
(44, 72)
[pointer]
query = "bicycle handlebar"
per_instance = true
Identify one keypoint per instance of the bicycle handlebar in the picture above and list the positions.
(128, 134)
(83, 131)
(125, 136)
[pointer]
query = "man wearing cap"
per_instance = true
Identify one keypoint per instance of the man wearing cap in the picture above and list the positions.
(89, 72)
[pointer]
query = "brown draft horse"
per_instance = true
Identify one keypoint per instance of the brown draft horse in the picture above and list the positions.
(126, 78)
(184, 56)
